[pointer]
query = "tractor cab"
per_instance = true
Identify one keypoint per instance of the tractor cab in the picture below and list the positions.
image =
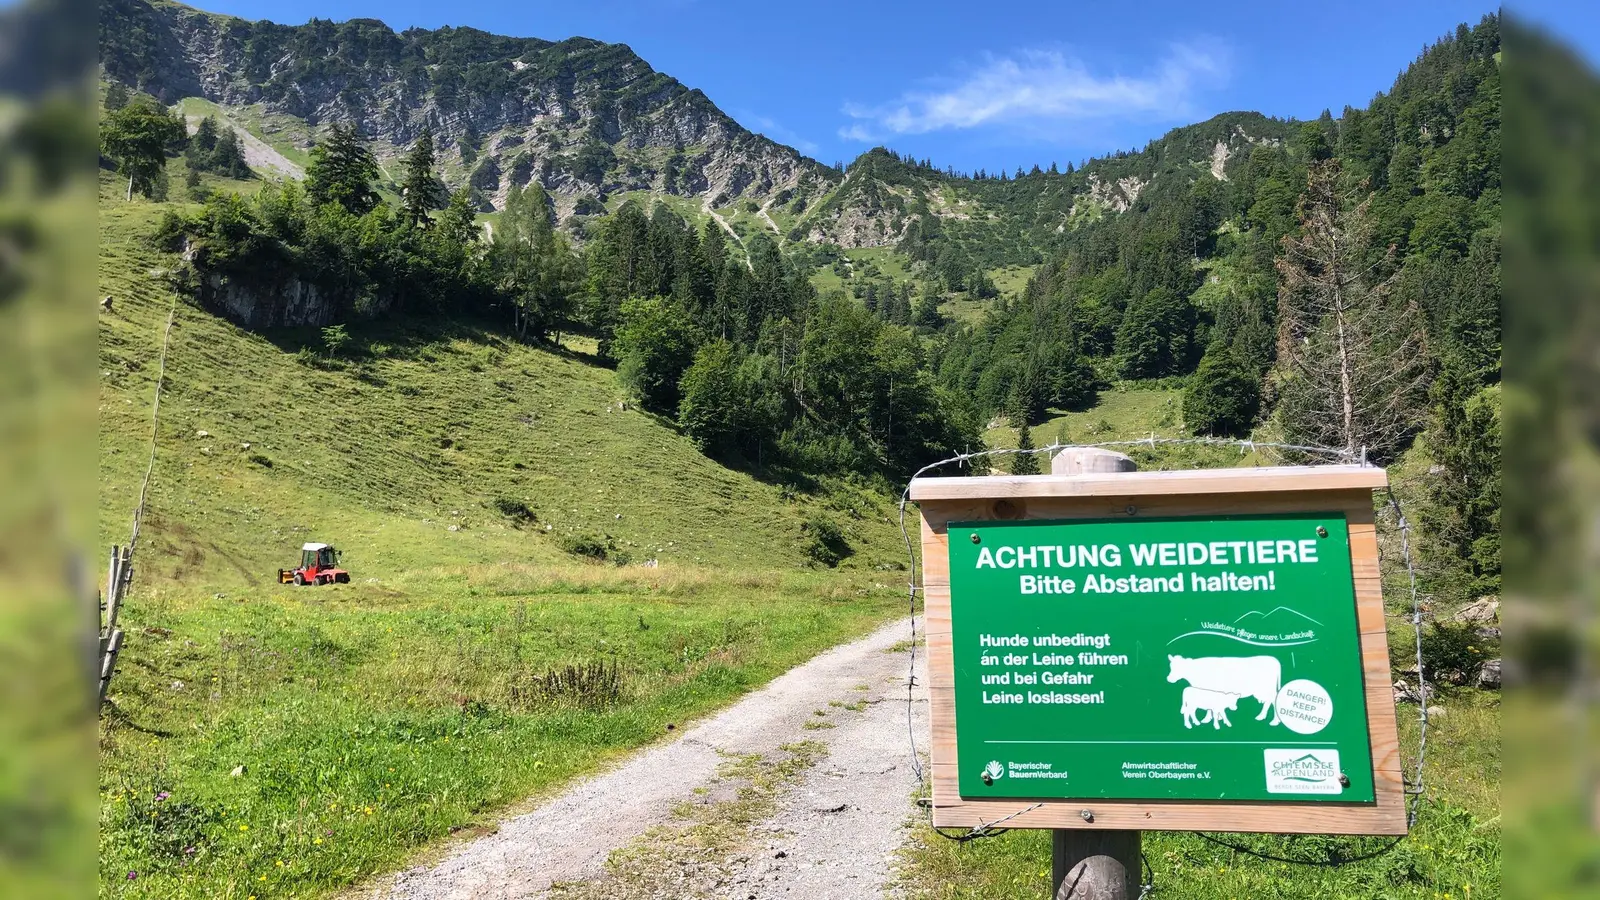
(319, 564)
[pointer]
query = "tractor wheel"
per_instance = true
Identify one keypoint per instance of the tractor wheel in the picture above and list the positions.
(324, 579)
(342, 579)
(299, 580)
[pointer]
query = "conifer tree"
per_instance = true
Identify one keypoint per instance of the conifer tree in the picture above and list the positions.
(204, 139)
(1026, 463)
(227, 157)
(116, 96)
(419, 187)
(1353, 364)
(342, 171)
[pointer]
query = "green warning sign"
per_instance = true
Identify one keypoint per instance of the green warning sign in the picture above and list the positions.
(1167, 659)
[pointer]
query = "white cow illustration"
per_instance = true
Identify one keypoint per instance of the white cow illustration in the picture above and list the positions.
(1248, 676)
(1215, 705)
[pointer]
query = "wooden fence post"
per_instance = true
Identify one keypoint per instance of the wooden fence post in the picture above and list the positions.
(118, 577)
(1089, 864)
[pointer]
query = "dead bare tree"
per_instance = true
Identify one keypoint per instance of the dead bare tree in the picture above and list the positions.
(1352, 361)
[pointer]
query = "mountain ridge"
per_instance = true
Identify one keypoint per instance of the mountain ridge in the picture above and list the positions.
(585, 117)
(589, 119)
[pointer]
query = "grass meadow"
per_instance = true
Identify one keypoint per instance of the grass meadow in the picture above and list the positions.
(268, 741)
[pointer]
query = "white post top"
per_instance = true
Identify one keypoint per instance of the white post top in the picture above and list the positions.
(1265, 479)
(1089, 460)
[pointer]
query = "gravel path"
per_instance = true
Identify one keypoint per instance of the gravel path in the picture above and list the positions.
(832, 834)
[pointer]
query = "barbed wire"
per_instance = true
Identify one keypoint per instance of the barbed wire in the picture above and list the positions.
(1330, 455)
(155, 425)
(1416, 788)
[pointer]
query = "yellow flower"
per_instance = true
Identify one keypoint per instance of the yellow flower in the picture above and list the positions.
(244, 827)
(280, 863)
(317, 841)
(262, 878)
(367, 810)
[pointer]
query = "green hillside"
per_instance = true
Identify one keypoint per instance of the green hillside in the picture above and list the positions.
(415, 428)
(455, 469)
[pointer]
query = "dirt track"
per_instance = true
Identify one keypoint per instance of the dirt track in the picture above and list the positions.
(825, 829)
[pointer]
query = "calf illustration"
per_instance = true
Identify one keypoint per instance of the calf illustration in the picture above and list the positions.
(1259, 677)
(1214, 704)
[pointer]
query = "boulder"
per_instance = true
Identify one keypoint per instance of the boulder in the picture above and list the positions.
(1489, 675)
(1482, 611)
(1404, 692)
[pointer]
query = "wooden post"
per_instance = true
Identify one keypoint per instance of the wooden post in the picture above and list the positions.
(1086, 864)
(1094, 865)
(118, 576)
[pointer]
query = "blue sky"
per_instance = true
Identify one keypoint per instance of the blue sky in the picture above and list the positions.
(973, 85)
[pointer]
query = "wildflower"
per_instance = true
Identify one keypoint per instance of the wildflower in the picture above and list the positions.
(367, 810)
(316, 840)
(162, 795)
(280, 863)
(132, 875)
(244, 827)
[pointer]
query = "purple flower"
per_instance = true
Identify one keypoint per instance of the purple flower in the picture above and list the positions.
(132, 875)
(162, 795)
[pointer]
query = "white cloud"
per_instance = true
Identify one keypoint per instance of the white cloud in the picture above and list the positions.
(1041, 87)
(773, 129)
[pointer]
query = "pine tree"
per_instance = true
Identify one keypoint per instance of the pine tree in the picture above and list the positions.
(116, 96)
(1353, 363)
(342, 171)
(204, 139)
(1026, 463)
(227, 157)
(419, 187)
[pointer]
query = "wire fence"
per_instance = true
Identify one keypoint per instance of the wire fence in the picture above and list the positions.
(1297, 452)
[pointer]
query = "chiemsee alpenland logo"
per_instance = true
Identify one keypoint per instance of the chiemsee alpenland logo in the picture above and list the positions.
(1301, 771)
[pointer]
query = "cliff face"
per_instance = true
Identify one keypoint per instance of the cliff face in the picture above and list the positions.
(286, 304)
(588, 120)
(583, 117)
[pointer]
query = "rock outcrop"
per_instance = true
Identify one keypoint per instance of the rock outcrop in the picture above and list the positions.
(590, 118)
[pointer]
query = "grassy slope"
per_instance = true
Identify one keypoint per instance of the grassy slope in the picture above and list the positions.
(376, 717)
(419, 431)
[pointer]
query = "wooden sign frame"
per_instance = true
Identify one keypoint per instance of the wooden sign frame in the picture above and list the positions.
(1295, 489)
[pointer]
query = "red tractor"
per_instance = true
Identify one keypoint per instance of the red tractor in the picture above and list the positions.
(319, 564)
